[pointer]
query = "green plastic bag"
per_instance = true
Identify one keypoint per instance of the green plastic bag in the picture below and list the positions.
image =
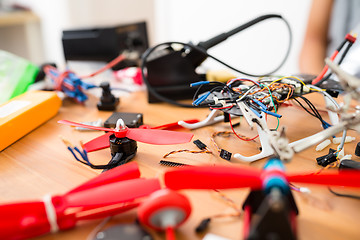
(16, 75)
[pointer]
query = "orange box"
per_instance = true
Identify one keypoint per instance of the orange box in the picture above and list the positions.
(24, 113)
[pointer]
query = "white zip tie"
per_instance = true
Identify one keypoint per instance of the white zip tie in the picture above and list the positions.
(50, 213)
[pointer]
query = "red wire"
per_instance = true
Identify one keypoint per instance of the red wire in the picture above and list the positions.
(244, 139)
(120, 58)
(325, 69)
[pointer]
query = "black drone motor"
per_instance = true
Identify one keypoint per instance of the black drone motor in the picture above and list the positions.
(122, 151)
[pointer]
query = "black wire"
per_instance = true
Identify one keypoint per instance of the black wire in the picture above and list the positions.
(344, 195)
(168, 100)
(340, 61)
(312, 107)
(314, 112)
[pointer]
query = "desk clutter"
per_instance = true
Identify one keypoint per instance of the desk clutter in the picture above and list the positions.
(168, 70)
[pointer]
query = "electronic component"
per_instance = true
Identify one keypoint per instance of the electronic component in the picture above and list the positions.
(225, 154)
(171, 66)
(24, 113)
(328, 158)
(131, 120)
(172, 164)
(200, 144)
(104, 44)
(108, 102)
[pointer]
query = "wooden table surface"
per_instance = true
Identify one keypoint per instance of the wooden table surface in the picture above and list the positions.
(40, 164)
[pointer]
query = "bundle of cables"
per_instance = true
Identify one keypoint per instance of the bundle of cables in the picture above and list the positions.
(348, 41)
(71, 84)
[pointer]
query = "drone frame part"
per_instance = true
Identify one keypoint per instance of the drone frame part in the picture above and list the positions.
(212, 118)
(267, 149)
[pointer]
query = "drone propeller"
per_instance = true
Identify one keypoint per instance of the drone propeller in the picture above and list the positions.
(345, 178)
(102, 196)
(213, 177)
(112, 193)
(128, 171)
(151, 136)
(223, 177)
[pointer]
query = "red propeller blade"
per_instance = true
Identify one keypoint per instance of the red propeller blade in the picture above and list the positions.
(158, 137)
(346, 179)
(174, 125)
(74, 124)
(213, 177)
(123, 172)
(112, 193)
(106, 211)
(98, 143)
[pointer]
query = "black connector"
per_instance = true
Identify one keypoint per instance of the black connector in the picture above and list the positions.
(200, 144)
(225, 154)
(203, 225)
(327, 159)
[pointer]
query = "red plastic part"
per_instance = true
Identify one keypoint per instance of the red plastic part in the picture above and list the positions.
(213, 177)
(350, 38)
(23, 220)
(121, 173)
(175, 125)
(151, 136)
(170, 234)
(346, 179)
(158, 137)
(161, 201)
(112, 193)
(88, 214)
(247, 220)
(98, 143)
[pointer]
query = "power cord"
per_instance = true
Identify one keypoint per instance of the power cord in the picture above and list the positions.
(147, 53)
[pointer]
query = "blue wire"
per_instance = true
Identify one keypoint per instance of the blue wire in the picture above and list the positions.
(77, 159)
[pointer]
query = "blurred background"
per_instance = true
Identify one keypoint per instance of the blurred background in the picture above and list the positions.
(38, 37)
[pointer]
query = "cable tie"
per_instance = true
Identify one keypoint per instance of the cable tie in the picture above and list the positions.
(50, 213)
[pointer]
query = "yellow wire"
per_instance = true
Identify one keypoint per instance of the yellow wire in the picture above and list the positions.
(279, 79)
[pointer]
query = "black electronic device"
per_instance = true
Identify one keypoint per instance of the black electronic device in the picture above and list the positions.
(108, 102)
(132, 120)
(105, 43)
(170, 69)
